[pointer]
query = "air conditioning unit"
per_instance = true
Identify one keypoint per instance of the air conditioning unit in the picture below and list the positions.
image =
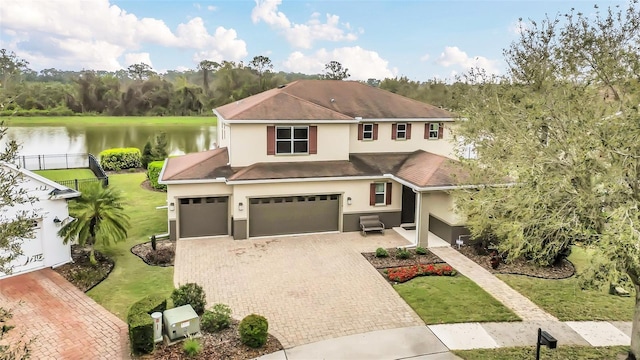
(181, 322)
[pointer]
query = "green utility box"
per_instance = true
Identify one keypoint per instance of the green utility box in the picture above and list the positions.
(181, 322)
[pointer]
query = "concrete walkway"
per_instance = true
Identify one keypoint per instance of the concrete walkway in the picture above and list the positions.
(521, 306)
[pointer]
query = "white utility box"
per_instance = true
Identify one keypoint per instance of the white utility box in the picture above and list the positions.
(181, 322)
(157, 326)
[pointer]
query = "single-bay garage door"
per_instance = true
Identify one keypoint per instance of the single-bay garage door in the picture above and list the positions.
(293, 214)
(204, 216)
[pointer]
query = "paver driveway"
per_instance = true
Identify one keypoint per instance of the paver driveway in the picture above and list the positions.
(310, 288)
(61, 320)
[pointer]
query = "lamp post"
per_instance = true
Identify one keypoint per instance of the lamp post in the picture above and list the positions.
(544, 338)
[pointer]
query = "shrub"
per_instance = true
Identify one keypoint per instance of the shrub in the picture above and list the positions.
(421, 251)
(191, 347)
(120, 158)
(141, 324)
(153, 173)
(253, 330)
(192, 294)
(216, 319)
(381, 253)
(147, 157)
(402, 253)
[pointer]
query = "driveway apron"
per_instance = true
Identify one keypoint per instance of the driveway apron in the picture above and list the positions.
(310, 288)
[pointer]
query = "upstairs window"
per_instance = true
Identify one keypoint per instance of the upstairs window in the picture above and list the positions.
(401, 131)
(292, 140)
(434, 131)
(288, 140)
(368, 132)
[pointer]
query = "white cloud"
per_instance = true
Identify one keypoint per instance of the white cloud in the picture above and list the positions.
(362, 64)
(212, 8)
(425, 57)
(301, 35)
(137, 58)
(74, 34)
(452, 56)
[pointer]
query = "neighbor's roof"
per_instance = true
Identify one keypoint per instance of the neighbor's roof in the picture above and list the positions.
(59, 191)
(420, 168)
(329, 100)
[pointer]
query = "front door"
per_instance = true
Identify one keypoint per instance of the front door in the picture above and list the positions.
(408, 206)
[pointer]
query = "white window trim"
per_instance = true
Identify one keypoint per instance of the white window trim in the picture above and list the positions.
(404, 132)
(365, 131)
(437, 131)
(383, 193)
(292, 140)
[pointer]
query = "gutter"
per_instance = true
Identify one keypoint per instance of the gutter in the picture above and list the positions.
(289, 180)
(200, 181)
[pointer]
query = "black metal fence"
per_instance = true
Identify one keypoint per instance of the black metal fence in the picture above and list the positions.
(66, 161)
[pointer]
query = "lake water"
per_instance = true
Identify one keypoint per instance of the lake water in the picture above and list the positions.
(41, 140)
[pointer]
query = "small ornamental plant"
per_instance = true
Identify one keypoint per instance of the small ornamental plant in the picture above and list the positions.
(191, 347)
(216, 319)
(381, 253)
(406, 273)
(253, 330)
(421, 251)
(190, 294)
(402, 253)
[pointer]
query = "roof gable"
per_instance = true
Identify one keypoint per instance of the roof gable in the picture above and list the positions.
(209, 164)
(329, 100)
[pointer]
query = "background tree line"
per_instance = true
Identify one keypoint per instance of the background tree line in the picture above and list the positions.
(138, 90)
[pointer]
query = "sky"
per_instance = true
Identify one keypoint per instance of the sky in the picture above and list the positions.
(419, 39)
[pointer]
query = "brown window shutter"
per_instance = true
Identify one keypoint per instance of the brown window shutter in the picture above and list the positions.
(375, 131)
(372, 194)
(394, 128)
(360, 131)
(440, 130)
(313, 139)
(271, 140)
(389, 185)
(408, 131)
(426, 130)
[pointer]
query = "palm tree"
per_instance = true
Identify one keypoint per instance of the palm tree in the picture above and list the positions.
(99, 216)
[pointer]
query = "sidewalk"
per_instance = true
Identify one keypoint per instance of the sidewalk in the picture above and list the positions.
(433, 342)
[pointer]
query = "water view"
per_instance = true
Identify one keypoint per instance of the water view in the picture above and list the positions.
(41, 140)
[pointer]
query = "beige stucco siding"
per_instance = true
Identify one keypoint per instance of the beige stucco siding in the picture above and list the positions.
(441, 205)
(248, 144)
(177, 191)
(358, 190)
(384, 143)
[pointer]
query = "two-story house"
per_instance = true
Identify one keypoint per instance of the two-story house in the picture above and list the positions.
(313, 156)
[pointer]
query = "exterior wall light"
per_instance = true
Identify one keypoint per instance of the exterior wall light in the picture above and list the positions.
(240, 206)
(172, 206)
(349, 200)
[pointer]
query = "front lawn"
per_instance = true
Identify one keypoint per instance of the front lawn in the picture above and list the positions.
(452, 299)
(66, 174)
(565, 300)
(132, 279)
(561, 353)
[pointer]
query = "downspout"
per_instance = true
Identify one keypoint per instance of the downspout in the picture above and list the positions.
(418, 217)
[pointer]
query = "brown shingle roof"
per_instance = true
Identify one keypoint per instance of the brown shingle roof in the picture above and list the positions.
(420, 168)
(329, 100)
(209, 164)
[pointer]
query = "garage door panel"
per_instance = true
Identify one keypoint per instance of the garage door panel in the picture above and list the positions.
(293, 215)
(204, 216)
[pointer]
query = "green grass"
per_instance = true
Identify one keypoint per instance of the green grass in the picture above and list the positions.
(66, 174)
(108, 120)
(131, 279)
(452, 299)
(565, 300)
(561, 353)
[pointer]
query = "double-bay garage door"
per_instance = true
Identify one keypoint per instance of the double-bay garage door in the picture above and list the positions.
(205, 216)
(293, 214)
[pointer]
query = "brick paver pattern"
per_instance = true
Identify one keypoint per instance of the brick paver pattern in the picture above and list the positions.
(60, 320)
(310, 288)
(521, 306)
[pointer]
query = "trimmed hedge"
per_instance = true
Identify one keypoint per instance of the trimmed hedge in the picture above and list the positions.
(120, 158)
(153, 173)
(141, 324)
(253, 330)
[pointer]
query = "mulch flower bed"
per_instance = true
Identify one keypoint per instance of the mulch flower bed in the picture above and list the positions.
(562, 270)
(391, 260)
(406, 273)
(220, 345)
(81, 273)
(164, 254)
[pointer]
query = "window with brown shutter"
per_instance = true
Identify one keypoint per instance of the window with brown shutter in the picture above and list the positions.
(372, 194)
(380, 194)
(313, 139)
(360, 131)
(394, 129)
(375, 131)
(367, 131)
(271, 140)
(432, 131)
(408, 131)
